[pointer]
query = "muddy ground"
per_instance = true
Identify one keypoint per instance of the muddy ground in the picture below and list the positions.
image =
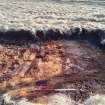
(32, 69)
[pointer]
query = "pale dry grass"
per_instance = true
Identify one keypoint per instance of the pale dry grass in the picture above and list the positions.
(35, 14)
(59, 99)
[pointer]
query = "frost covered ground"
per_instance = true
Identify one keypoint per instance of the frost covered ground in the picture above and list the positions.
(44, 14)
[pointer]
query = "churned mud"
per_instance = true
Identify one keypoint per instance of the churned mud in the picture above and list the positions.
(34, 69)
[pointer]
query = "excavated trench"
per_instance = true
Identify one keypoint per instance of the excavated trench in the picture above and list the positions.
(32, 66)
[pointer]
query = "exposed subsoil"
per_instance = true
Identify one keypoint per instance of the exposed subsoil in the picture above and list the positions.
(27, 65)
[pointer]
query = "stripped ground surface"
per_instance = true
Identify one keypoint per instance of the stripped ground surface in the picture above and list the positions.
(61, 64)
(44, 14)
